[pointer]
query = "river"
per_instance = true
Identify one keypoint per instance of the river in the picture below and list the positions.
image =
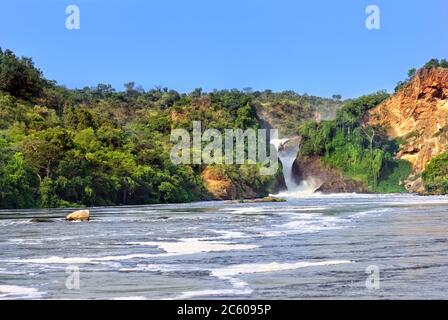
(316, 246)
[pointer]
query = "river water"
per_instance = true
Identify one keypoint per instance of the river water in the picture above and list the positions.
(309, 247)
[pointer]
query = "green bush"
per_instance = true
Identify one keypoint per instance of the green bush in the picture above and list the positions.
(19, 77)
(435, 175)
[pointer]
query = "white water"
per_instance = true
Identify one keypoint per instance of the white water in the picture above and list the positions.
(178, 248)
(306, 248)
(15, 292)
(270, 267)
(287, 157)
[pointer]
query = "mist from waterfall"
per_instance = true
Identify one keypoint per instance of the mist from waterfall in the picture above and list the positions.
(288, 155)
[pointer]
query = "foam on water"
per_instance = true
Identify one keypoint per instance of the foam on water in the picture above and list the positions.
(240, 287)
(182, 247)
(54, 260)
(12, 222)
(216, 292)
(17, 292)
(310, 226)
(371, 212)
(227, 235)
(302, 223)
(193, 246)
(150, 268)
(302, 190)
(130, 298)
(25, 242)
(270, 267)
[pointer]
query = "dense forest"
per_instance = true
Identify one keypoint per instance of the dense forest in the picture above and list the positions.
(97, 146)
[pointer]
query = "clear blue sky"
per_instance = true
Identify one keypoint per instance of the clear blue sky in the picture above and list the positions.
(320, 47)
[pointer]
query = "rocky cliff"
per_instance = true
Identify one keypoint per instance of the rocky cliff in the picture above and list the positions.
(417, 115)
(323, 178)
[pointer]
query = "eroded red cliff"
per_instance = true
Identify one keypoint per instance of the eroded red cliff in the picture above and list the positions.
(418, 116)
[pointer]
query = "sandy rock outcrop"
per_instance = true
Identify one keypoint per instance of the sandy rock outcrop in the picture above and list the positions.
(80, 215)
(417, 115)
(223, 188)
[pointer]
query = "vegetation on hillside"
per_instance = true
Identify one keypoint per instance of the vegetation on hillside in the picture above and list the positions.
(362, 153)
(97, 146)
(365, 153)
(435, 175)
(287, 110)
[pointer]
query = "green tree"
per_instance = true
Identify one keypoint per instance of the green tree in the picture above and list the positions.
(17, 182)
(435, 175)
(19, 77)
(444, 63)
(412, 72)
(337, 96)
(433, 63)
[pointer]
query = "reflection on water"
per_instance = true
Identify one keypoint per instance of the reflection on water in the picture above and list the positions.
(313, 247)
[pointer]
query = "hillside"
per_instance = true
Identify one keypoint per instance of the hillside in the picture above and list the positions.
(97, 146)
(394, 143)
(345, 151)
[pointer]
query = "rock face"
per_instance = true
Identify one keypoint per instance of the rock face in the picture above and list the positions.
(324, 179)
(418, 115)
(222, 188)
(80, 215)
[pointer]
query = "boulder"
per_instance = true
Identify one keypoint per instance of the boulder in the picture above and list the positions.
(80, 215)
(416, 185)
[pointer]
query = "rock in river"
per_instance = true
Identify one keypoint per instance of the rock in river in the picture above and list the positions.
(36, 220)
(80, 215)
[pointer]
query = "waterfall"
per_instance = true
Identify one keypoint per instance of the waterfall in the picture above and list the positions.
(288, 155)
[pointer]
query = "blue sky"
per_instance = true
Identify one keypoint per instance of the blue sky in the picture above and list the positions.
(320, 47)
